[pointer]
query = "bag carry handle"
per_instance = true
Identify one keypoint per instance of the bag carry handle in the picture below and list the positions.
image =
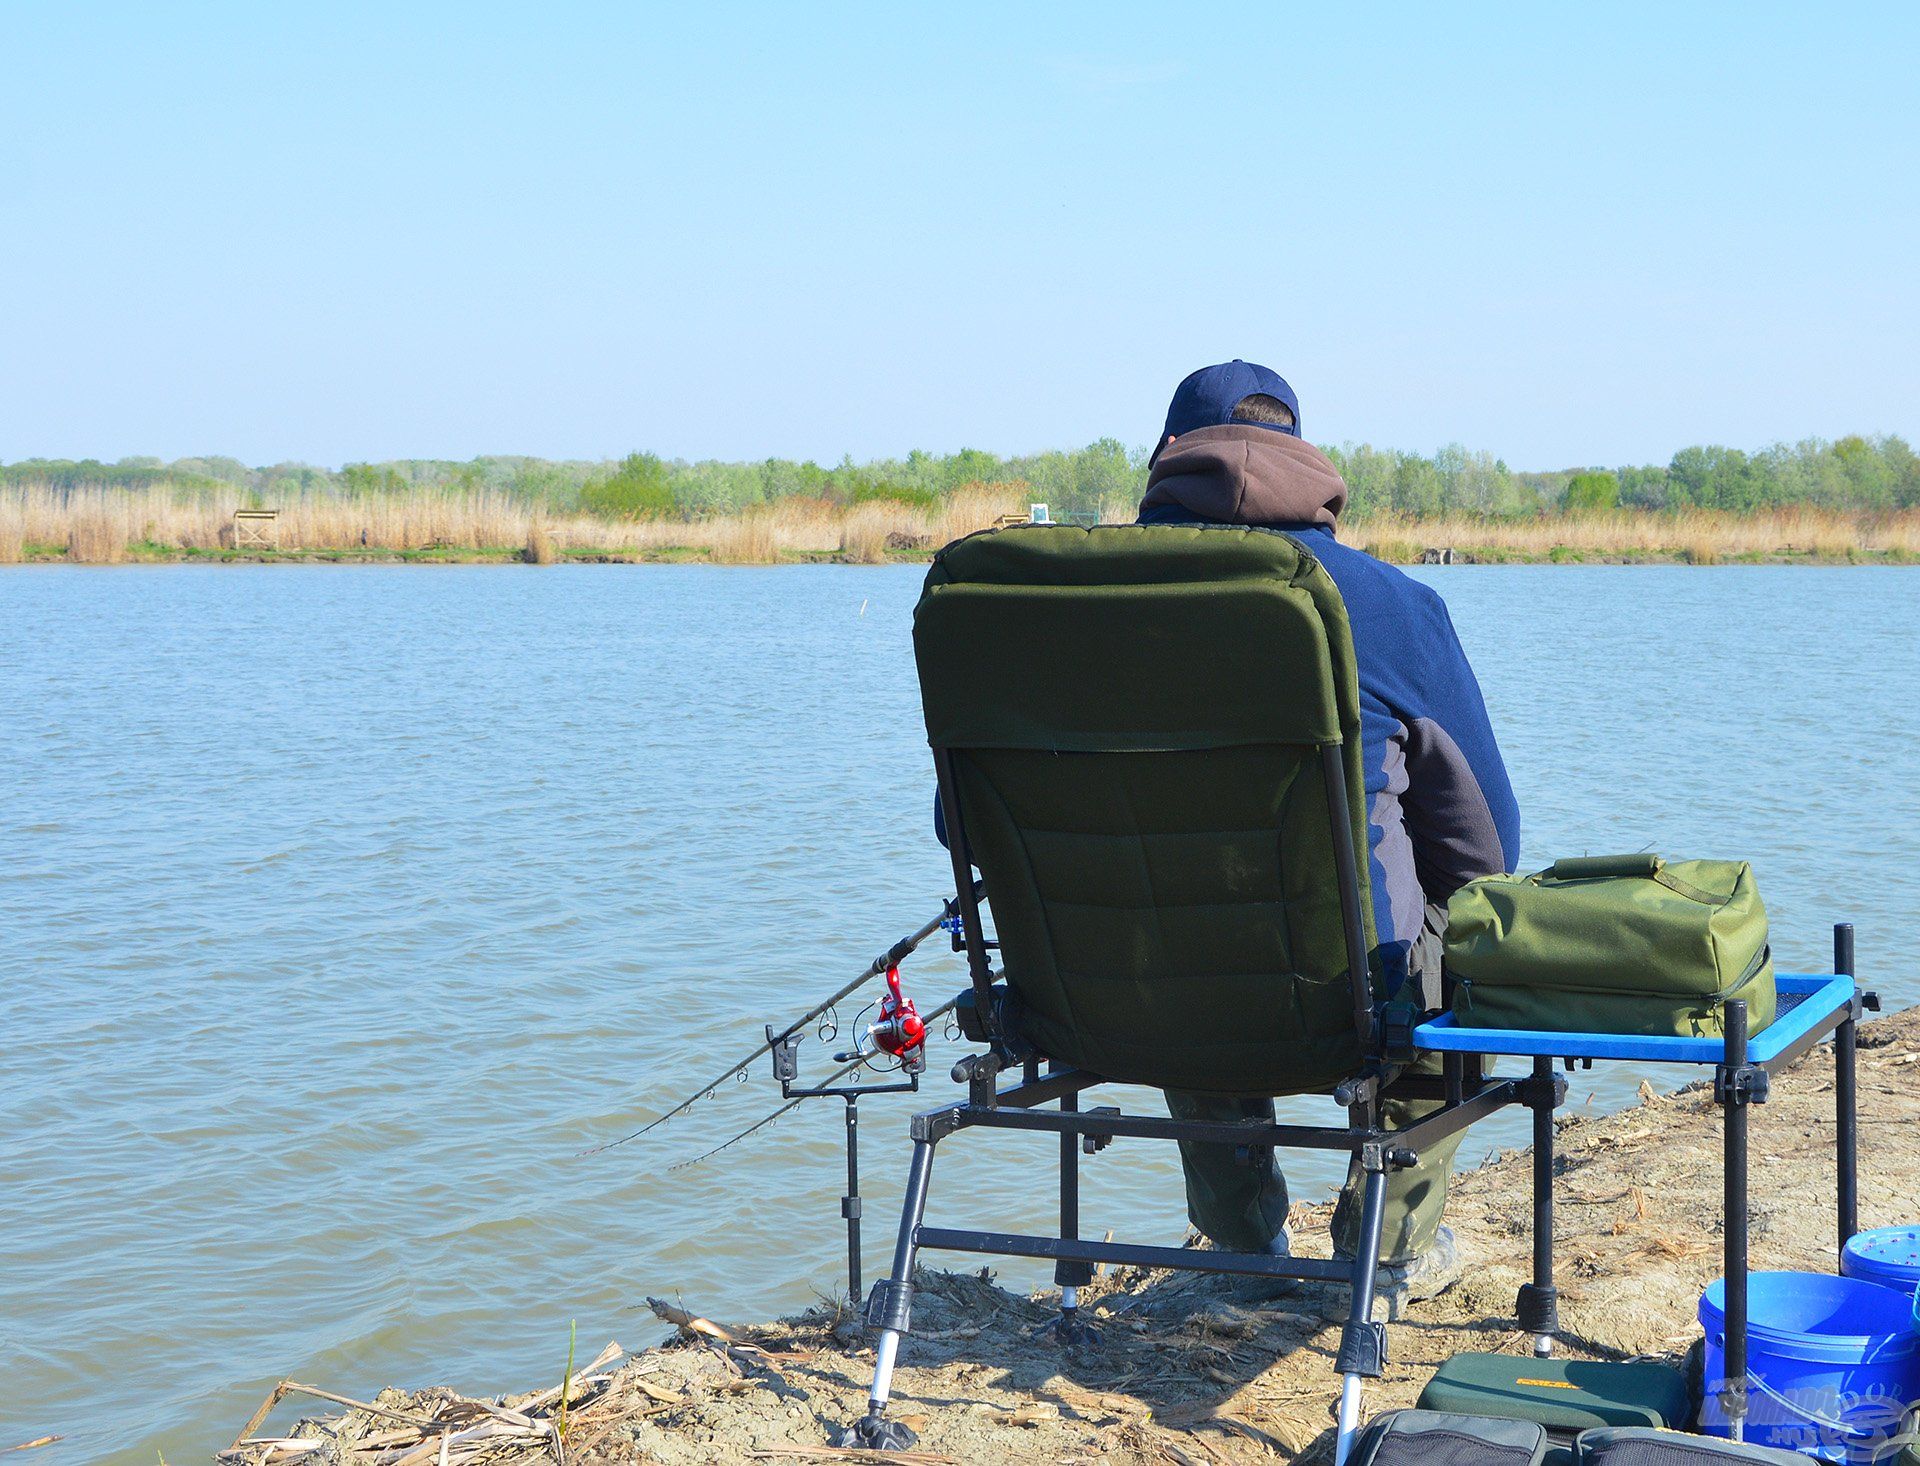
(1592, 867)
(1600, 867)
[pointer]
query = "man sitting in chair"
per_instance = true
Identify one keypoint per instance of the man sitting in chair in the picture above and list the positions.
(1440, 808)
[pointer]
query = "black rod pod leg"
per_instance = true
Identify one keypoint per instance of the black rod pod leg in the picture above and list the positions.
(889, 1310)
(850, 1203)
(1538, 1308)
(1846, 1129)
(1734, 1097)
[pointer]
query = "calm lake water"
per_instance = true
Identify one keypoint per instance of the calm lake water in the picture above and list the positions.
(340, 908)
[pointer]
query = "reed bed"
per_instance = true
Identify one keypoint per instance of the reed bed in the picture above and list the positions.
(540, 550)
(103, 526)
(1698, 536)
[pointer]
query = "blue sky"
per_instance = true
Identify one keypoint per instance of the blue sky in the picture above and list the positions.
(1567, 234)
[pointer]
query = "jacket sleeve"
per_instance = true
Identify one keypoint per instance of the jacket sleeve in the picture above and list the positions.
(1459, 806)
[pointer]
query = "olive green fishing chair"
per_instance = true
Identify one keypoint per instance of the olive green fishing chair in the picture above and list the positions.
(1147, 741)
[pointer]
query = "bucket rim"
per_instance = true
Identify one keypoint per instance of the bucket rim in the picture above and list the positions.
(1905, 1339)
(1867, 1251)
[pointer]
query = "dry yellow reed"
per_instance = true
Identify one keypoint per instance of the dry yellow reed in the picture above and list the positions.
(101, 525)
(540, 549)
(868, 528)
(1701, 536)
(746, 539)
(974, 506)
(13, 534)
(96, 539)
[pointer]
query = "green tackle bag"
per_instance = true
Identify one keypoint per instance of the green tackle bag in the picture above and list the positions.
(1611, 944)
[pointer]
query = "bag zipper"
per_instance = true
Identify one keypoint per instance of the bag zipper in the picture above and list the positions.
(1705, 1006)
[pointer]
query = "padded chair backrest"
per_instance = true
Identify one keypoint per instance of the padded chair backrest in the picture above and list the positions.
(1135, 718)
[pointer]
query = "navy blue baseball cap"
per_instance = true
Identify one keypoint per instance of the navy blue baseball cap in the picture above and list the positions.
(1207, 398)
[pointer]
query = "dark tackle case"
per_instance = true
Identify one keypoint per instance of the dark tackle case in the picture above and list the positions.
(1565, 1396)
(1643, 1446)
(1437, 1438)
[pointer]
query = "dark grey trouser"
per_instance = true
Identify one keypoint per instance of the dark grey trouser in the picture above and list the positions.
(1240, 1201)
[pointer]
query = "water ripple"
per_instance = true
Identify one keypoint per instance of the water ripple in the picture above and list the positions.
(344, 907)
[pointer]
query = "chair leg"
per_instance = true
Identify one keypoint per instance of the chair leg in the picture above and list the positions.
(1362, 1341)
(1070, 1277)
(890, 1308)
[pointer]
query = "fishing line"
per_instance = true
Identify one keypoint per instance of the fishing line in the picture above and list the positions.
(834, 1078)
(892, 957)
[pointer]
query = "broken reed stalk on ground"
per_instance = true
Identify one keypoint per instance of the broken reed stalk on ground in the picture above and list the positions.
(452, 1429)
(572, 1416)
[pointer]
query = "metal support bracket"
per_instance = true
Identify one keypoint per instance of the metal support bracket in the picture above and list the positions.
(1398, 1021)
(1537, 1311)
(1533, 1090)
(934, 1125)
(1068, 1273)
(890, 1305)
(1740, 1084)
(1094, 1144)
(982, 1070)
(1363, 1349)
(1363, 1090)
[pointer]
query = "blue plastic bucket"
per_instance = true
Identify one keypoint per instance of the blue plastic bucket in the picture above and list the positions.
(1889, 1256)
(1832, 1363)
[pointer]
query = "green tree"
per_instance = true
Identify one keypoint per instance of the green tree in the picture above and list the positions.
(1868, 475)
(1713, 478)
(1369, 474)
(1417, 485)
(1644, 488)
(1589, 492)
(1903, 466)
(637, 489)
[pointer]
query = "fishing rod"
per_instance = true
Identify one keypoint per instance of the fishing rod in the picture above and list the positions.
(891, 958)
(834, 1078)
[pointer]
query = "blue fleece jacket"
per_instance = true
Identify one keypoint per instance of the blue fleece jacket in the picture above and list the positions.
(1440, 807)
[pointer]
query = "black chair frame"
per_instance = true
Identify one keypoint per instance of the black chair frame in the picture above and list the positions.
(1468, 1095)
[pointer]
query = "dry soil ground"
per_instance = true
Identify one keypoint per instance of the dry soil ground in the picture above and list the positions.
(1187, 1369)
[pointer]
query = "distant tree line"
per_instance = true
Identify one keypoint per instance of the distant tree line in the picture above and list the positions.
(1852, 473)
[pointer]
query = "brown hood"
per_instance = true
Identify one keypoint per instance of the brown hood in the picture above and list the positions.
(1241, 474)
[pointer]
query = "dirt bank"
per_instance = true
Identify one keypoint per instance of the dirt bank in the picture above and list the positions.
(1190, 1370)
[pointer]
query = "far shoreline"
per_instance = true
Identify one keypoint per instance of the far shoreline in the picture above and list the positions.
(101, 527)
(50, 555)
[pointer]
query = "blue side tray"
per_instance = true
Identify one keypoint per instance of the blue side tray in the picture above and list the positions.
(1805, 1001)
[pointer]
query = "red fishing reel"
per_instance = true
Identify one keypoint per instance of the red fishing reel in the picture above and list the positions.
(898, 1030)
